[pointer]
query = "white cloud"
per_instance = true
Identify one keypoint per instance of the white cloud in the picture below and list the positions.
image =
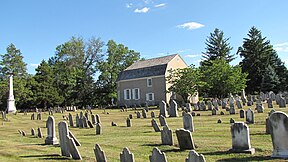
(129, 5)
(143, 10)
(34, 65)
(192, 56)
(281, 47)
(160, 5)
(191, 25)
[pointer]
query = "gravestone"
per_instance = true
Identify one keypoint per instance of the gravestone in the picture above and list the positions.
(249, 116)
(98, 118)
(241, 138)
(51, 138)
(193, 113)
(238, 104)
(138, 115)
(33, 116)
(232, 120)
(99, 154)
(188, 122)
(202, 106)
(282, 102)
(268, 127)
(130, 116)
(39, 116)
(113, 124)
(86, 115)
(193, 156)
(214, 111)
(157, 156)
(63, 133)
(71, 120)
(173, 109)
(77, 121)
(126, 155)
(259, 108)
(71, 135)
(224, 103)
(269, 102)
(84, 120)
(89, 123)
(272, 111)
(23, 133)
(166, 136)
(32, 131)
(155, 125)
(162, 120)
(209, 104)
(185, 139)
(219, 121)
(152, 114)
(128, 122)
(81, 115)
(242, 113)
(73, 150)
(144, 113)
(188, 107)
(98, 128)
(232, 110)
(39, 133)
(279, 134)
(163, 109)
(243, 97)
(93, 118)
(222, 113)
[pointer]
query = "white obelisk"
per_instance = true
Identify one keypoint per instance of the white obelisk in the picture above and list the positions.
(11, 101)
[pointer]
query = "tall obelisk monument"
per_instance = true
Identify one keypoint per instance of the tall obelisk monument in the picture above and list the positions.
(11, 101)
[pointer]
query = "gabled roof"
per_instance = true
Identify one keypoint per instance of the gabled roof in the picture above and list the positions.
(146, 68)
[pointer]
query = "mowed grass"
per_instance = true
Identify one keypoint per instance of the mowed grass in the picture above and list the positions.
(211, 138)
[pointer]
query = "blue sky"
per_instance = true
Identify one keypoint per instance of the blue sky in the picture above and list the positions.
(152, 27)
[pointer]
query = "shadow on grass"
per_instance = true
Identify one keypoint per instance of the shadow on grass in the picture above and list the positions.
(154, 145)
(47, 157)
(259, 133)
(250, 158)
(172, 150)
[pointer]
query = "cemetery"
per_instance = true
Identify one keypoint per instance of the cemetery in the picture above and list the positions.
(170, 134)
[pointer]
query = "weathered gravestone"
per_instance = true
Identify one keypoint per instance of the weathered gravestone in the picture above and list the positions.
(73, 150)
(130, 116)
(259, 108)
(282, 102)
(188, 107)
(202, 106)
(98, 128)
(32, 131)
(138, 115)
(269, 102)
(188, 122)
(155, 125)
(209, 104)
(166, 136)
(144, 113)
(84, 120)
(185, 139)
(39, 116)
(241, 138)
(249, 116)
(214, 111)
(157, 156)
(39, 133)
(232, 110)
(126, 155)
(99, 154)
(162, 120)
(71, 120)
(238, 104)
(267, 125)
(193, 156)
(163, 109)
(98, 118)
(89, 123)
(77, 121)
(173, 109)
(232, 120)
(242, 113)
(93, 118)
(51, 138)
(279, 134)
(33, 116)
(219, 121)
(152, 114)
(63, 133)
(128, 122)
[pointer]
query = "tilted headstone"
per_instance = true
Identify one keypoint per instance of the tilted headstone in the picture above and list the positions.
(162, 120)
(86, 115)
(39, 133)
(155, 125)
(128, 122)
(166, 136)
(157, 156)
(243, 97)
(185, 139)
(51, 138)
(173, 109)
(241, 138)
(193, 156)
(279, 134)
(144, 113)
(71, 120)
(242, 113)
(188, 122)
(93, 118)
(163, 109)
(23, 133)
(98, 128)
(89, 123)
(98, 118)
(238, 104)
(126, 155)
(99, 154)
(249, 116)
(71, 135)
(73, 150)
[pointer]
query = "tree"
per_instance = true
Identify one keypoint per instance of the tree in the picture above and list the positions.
(12, 63)
(260, 60)
(118, 57)
(185, 82)
(46, 95)
(222, 79)
(217, 48)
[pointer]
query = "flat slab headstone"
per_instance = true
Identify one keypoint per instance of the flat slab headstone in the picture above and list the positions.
(126, 155)
(99, 154)
(279, 134)
(157, 156)
(185, 139)
(193, 156)
(241, 138)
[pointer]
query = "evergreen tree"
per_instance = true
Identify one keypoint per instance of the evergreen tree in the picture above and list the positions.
(217, 48)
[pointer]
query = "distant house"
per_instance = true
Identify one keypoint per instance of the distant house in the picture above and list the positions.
(145, 81)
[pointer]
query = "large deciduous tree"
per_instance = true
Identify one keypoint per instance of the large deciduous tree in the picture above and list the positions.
(217, 47)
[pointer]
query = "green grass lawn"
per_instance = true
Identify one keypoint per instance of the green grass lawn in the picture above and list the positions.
(211, 139)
